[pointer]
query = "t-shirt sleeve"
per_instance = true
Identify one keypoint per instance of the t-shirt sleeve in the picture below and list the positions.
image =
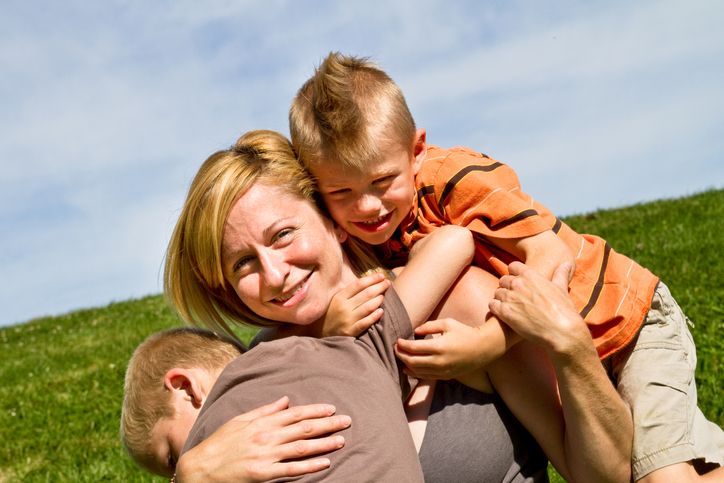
(381, 338)
(472, 190)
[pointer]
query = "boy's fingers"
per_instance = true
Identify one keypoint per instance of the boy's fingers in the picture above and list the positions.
(405, 347)
(369, 306)
(372, 291)
(432, 327)
(367, 321)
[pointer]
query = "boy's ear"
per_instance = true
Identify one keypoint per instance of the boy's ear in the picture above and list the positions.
(419, 149)
(186, 385)
(341, 234)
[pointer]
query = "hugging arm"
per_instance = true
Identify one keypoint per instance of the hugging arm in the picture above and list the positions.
(586, 418)
(273, 441)
(435, 263)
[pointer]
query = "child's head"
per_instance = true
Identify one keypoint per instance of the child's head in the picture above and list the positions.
(167, 379)
(353, 131)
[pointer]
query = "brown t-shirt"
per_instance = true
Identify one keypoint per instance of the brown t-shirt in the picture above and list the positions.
(360, 376)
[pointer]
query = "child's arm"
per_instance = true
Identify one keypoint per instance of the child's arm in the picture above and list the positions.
(543, 252)
(461, 349)
(434, 265)
(464, 347)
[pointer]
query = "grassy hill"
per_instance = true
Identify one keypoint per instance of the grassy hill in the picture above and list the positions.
(61, 377)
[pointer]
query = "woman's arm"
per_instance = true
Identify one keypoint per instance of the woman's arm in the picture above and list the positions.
(435, 263)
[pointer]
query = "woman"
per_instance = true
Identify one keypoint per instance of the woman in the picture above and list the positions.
(225, 266)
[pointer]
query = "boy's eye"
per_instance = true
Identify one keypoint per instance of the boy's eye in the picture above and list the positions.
(384, 179)
(339, 192)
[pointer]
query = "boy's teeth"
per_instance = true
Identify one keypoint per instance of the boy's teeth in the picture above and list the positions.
(376, 220)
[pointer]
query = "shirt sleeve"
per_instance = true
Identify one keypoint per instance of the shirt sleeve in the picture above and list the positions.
(482, 194)
(383, 335)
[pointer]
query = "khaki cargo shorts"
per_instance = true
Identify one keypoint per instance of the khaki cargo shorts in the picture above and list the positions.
(654, 374)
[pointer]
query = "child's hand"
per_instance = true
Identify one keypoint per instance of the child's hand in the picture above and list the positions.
(457, 351)
(356, 307)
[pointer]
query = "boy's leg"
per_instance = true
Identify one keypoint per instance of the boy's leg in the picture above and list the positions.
(655, 376)
(525, 377)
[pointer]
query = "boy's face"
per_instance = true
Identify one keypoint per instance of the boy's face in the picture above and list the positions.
(372, 202)
(168, 437)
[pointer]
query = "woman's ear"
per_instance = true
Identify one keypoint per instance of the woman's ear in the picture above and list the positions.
(185, 385)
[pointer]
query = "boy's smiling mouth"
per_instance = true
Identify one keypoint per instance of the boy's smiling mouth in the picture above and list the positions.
(375, 224)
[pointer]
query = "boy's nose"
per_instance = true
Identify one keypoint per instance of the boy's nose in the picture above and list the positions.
(368, 204)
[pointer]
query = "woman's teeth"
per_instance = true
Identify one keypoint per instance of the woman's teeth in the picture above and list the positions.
(291, 293)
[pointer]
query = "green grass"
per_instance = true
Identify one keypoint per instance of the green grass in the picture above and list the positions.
(61, 377)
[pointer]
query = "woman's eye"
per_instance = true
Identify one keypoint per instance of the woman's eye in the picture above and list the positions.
(241, 263)
(282, 234)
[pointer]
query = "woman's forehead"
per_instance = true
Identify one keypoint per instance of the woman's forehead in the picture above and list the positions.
(262, 207)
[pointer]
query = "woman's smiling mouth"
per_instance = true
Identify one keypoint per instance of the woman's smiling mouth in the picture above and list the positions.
(295, 294)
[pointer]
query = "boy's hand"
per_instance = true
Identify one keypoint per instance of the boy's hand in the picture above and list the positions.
(356, 307)
(457, 351)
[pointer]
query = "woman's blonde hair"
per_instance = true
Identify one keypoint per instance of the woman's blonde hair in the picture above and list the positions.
(145, 398)
(348, 112)
(194, 279)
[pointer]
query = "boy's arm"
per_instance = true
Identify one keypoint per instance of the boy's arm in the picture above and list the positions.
(543, 252)
(461, 347)
(435, 263)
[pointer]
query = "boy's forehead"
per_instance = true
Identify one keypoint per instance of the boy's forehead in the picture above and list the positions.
(332, 172)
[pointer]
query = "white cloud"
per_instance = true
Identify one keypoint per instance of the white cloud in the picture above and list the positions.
(109, 108)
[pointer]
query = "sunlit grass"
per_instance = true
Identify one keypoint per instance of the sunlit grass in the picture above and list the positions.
(61, 377)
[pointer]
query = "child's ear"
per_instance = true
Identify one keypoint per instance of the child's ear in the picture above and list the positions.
(340, 233)
(419, 149)
(186, 385)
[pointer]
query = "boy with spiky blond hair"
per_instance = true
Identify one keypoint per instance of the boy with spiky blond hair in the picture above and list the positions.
(382, 183)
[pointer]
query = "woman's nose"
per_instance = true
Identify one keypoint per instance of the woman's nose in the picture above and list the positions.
(274, 268)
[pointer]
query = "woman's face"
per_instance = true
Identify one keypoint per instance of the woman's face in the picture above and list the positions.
(282, 257)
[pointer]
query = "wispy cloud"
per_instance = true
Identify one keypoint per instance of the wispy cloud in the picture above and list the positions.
(109, 108)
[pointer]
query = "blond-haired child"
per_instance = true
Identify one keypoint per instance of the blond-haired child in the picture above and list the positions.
(385, 185)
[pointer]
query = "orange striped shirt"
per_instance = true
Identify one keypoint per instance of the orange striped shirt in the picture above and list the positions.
(462, 187)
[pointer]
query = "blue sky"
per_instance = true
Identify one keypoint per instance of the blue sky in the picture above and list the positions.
(108, 109)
